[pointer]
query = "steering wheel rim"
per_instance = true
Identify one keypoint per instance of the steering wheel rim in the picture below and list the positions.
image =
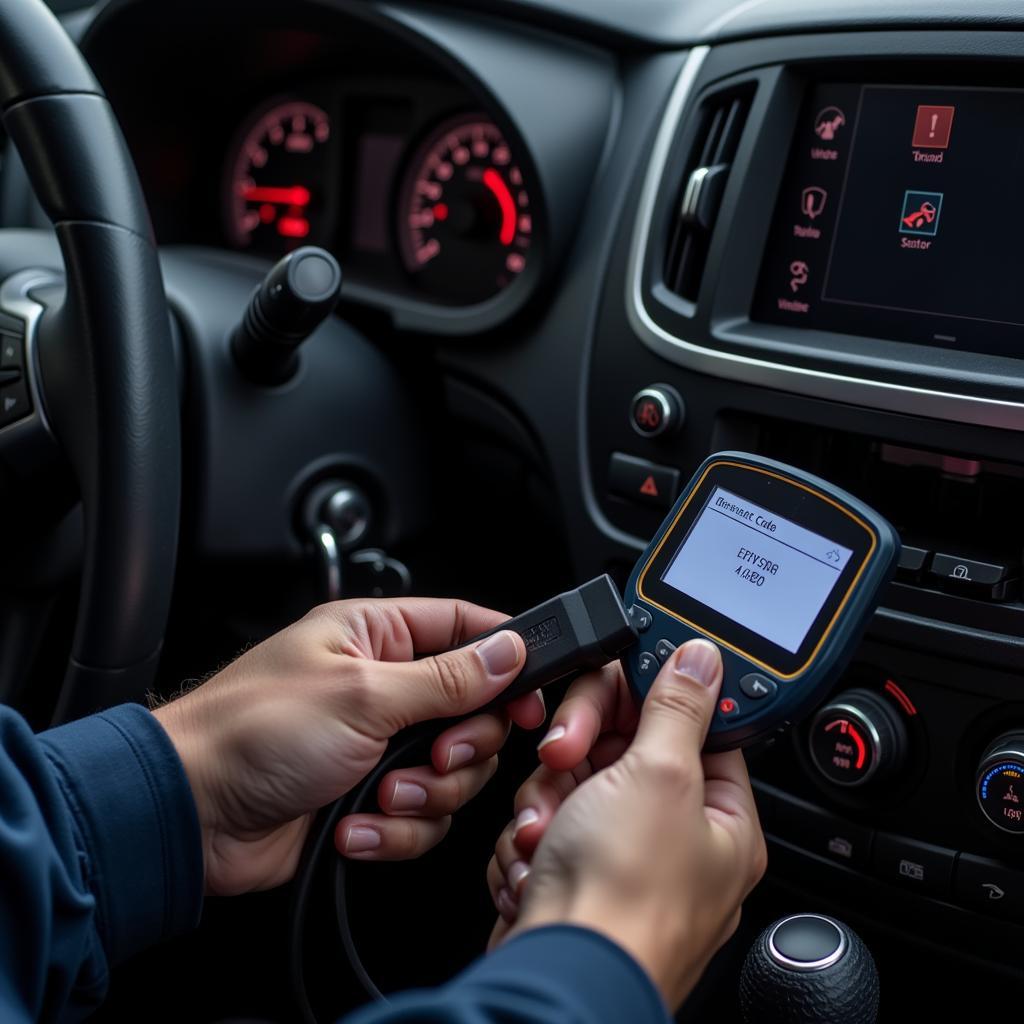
(105, 362)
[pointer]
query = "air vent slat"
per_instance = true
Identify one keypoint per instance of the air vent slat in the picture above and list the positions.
(721, 121)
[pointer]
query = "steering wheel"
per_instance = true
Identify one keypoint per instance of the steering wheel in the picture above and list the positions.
(97, 372)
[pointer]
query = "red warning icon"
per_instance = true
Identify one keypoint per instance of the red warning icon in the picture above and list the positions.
(649, 487)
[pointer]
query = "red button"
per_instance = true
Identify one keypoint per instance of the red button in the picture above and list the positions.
(728, 706)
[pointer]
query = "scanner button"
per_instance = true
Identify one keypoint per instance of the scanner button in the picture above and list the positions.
(640, 617)
(758, 687)
(663, 650)
(728, 707)
(648, 664)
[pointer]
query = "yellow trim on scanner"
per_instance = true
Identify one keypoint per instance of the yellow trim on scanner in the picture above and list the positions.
(725, 643)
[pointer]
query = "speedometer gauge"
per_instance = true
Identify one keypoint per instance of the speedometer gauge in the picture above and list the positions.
(464, 219)
(278, 176)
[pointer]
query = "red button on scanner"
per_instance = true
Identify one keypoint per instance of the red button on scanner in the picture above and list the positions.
(728, 706)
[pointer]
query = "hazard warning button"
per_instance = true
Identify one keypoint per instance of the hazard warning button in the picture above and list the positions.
(642, 481)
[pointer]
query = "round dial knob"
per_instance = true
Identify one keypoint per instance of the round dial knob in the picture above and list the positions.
(1000, 783)
(656, 410)
(856, 738)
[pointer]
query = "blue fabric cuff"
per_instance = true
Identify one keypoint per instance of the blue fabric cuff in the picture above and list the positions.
(137, 825)
(575, 968)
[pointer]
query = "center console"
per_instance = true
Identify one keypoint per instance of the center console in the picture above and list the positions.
(821, 266)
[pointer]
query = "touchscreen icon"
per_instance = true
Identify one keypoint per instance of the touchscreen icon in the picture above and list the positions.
(799, 271)
(920, 215)
(812, 201)
(828, 122)
(932, 127)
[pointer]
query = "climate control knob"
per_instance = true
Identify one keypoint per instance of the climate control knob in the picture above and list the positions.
(857, 738)
(1000, 783)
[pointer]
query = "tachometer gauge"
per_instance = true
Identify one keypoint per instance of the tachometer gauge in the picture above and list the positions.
(278, 179)
(464, 219)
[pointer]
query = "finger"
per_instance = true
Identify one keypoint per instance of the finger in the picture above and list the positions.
(498, 933)
(536, 804)
(677, 711)
(378, 837)
(595, 703)
(469, 742)
(727, 785)
(397, 629)
(443, 685)
(528, 711)
(507, 906)
(423, 793)
(495, 879)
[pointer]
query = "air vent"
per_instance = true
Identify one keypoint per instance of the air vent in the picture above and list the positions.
(722, 118)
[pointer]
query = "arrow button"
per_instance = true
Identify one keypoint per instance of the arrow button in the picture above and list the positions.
(14, 403)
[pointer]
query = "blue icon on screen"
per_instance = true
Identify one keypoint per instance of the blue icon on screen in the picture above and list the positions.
(920, 214)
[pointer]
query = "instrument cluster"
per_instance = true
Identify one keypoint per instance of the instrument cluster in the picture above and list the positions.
(430, 202)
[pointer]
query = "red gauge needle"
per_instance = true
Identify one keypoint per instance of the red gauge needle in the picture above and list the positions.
(295, 195)
(493, 180)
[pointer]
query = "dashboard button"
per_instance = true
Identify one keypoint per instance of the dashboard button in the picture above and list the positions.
(913, 864)
(14, 403)
(999, 783)
(656, 410)
(664, 650)
(758, 687)
(822, 833)
(989, 887)
(994, 581)
(640, 617)
(912, 563)
(643, 481)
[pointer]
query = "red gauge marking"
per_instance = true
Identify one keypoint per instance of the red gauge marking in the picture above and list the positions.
(904, 701)
(847, 729)
(493, 180)
(293, 227)
(294, 195)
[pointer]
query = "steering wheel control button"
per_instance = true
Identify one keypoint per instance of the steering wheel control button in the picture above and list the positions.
(640, 617)
(806, 942)
(991, 581)
(857, 737)
(824, 834)
(663, 650)
(656, 410)
(12, 356)
(758, 687)
(912, 563)
(989, 887)
(641, 481)
(1000, 784)
(914, 865)
(14, 402)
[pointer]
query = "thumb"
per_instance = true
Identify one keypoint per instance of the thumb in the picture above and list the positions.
(453, 683)
(677, 712)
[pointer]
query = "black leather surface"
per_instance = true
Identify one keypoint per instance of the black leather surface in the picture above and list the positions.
(847, 992)
(41, 59)
(106, 357)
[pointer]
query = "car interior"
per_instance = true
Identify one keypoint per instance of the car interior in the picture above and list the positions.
(580, 245)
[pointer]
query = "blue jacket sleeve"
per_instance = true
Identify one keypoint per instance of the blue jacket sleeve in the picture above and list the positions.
(555, 975)
(100, 856)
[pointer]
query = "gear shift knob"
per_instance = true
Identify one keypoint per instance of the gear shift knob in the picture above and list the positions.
(809, 969)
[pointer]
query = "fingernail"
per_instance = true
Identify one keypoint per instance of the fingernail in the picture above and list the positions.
(499, 653)
(517, 874)
(527, 816)
(360, 838)
(698, 659)
(506, 903)
(460, 754)
(407, 796)
(554, 734)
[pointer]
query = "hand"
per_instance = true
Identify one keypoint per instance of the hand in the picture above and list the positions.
(297, 721)
(627, 830)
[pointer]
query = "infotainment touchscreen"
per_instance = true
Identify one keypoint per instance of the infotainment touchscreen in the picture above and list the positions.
(901, 216)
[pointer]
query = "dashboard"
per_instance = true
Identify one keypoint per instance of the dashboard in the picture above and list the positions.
(624, 235)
